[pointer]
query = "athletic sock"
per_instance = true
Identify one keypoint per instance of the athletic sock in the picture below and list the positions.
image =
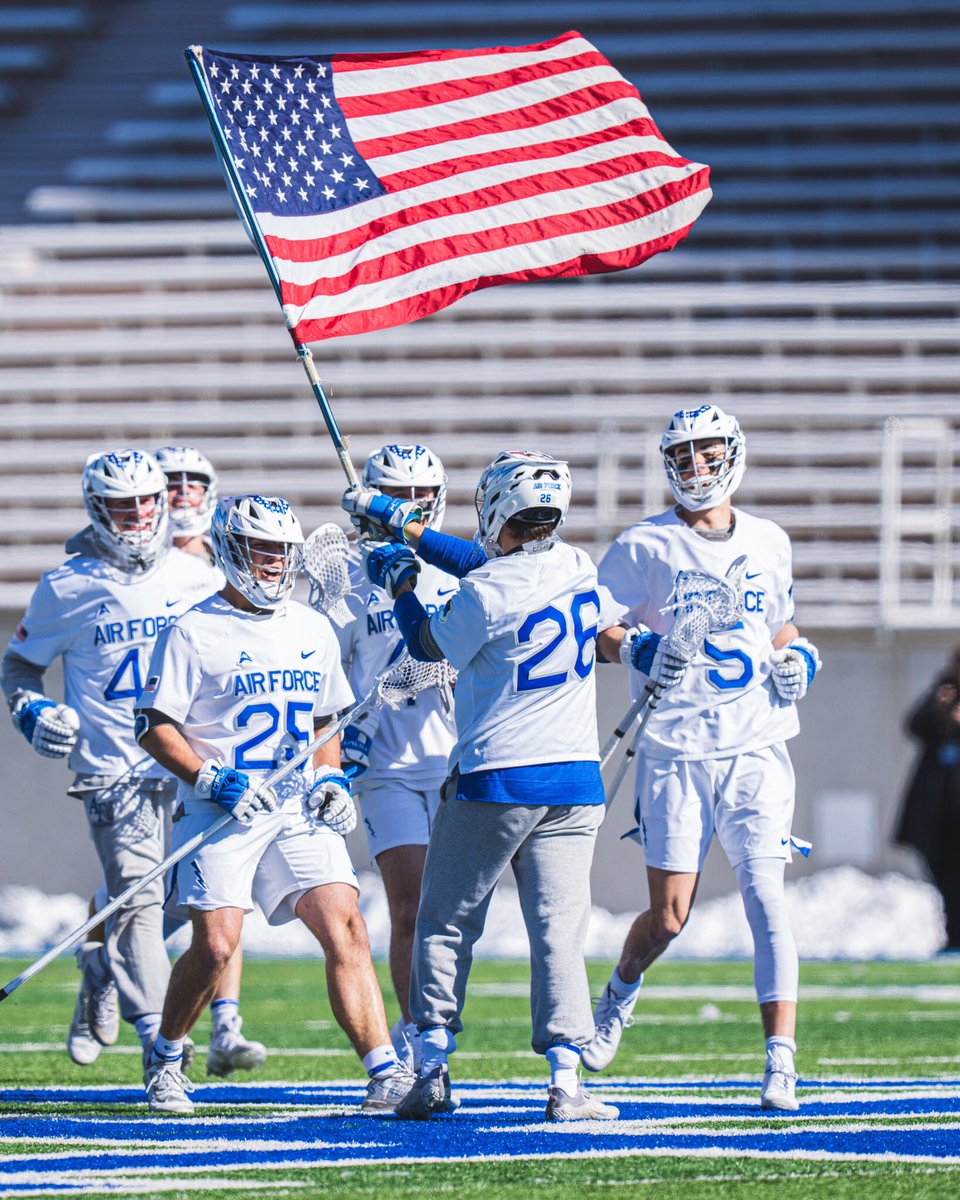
(437, 1044)
(168, 1049)
(781, 1050)
(564, 1060)
(381, 1060)
(623, 990)
(147, 1028)
(223, 1014)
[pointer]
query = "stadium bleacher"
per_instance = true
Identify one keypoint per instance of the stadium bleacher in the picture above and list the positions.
(818, 297)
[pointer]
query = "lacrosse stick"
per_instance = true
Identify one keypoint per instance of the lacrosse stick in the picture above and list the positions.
(702, 604)
(325, 564)
(393, 687)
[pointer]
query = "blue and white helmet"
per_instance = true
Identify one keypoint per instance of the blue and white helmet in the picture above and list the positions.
(240, 520)
(692, 490)
(183, 465)
(114, 482)
(521, 483)
(412, 466)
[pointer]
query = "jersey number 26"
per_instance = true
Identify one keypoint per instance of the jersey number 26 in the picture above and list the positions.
(558, 648)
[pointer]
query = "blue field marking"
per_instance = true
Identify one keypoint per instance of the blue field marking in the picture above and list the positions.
(317, 1124)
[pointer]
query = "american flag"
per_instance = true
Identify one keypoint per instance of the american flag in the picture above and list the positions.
(387, 186)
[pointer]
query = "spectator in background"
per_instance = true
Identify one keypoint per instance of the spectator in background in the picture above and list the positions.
(930, 816)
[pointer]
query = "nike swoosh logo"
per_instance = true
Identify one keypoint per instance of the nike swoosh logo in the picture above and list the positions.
(171, 603)
(446, 592)
(307, 654)
(783, 841)
(755, 575)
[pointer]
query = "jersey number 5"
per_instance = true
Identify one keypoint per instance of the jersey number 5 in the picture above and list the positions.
(555, 618)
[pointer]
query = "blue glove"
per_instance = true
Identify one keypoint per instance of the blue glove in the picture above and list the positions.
(654, 655)
(388, 565)
(354, 752)
(234, 791)
(373, 513)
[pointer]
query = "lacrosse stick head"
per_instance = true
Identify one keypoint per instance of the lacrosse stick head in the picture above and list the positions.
(408, 676)
(703, 603)
(325, 565)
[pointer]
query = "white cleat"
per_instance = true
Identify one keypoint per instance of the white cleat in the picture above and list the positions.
(581, 1107)
(611, 1017)
(104, 1015)
(167, 1087)
(384, 1092)
(779, 1090)
(82, 1044)
(231, 1051)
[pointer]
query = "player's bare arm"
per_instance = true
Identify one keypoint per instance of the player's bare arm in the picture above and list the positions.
(164, 742)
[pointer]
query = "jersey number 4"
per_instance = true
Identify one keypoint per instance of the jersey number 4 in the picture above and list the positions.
(558, 648)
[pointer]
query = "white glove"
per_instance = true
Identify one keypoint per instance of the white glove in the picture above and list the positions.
(330, 797)
(794, 669)
(234, 791)
(50, 728)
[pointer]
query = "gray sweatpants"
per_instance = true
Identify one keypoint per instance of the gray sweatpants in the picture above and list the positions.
(550, 849)
(128, 818)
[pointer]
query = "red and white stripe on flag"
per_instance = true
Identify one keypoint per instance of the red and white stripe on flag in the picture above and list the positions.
(388, 186)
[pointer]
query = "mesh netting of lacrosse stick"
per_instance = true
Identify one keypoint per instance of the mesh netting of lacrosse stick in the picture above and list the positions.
(702, 604)
(325, 564)
(407, 677)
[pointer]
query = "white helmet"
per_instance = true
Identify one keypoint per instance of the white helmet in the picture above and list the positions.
(237, 521)
(706, 423)
(126, 475)
(525, 484)
(413, 466)
(183, 465)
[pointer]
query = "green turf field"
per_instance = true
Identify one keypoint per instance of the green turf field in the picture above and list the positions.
(686, 1080)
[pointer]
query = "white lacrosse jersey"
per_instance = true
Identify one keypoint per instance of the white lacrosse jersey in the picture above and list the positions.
(417, 738)
(522, 632)
(105, 623)
(245, 687)
(725, 704)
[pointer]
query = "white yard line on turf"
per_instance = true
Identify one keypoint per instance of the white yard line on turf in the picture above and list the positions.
(922, 993)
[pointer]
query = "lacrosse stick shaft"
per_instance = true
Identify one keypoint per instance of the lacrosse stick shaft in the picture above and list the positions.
(188, 847)
(626, 721)
(650, 698)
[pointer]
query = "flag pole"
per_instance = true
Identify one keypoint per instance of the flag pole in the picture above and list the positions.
(242, 204)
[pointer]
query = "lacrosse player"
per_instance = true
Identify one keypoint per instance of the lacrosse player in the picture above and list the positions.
(398, 757)
(713, 758)
(191, 498)
(101, 612)
(234, 687)
(525, 788)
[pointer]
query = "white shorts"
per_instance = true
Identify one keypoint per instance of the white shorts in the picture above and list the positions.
(395, 814)
(274, 861)
(747, 800)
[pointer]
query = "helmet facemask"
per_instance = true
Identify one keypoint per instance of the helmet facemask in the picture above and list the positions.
(704, 456)
(125, 496)
(405, 470)
(188, 471)
(258, 544)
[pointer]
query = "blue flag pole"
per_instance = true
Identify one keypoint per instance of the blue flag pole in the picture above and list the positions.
(242, 204)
